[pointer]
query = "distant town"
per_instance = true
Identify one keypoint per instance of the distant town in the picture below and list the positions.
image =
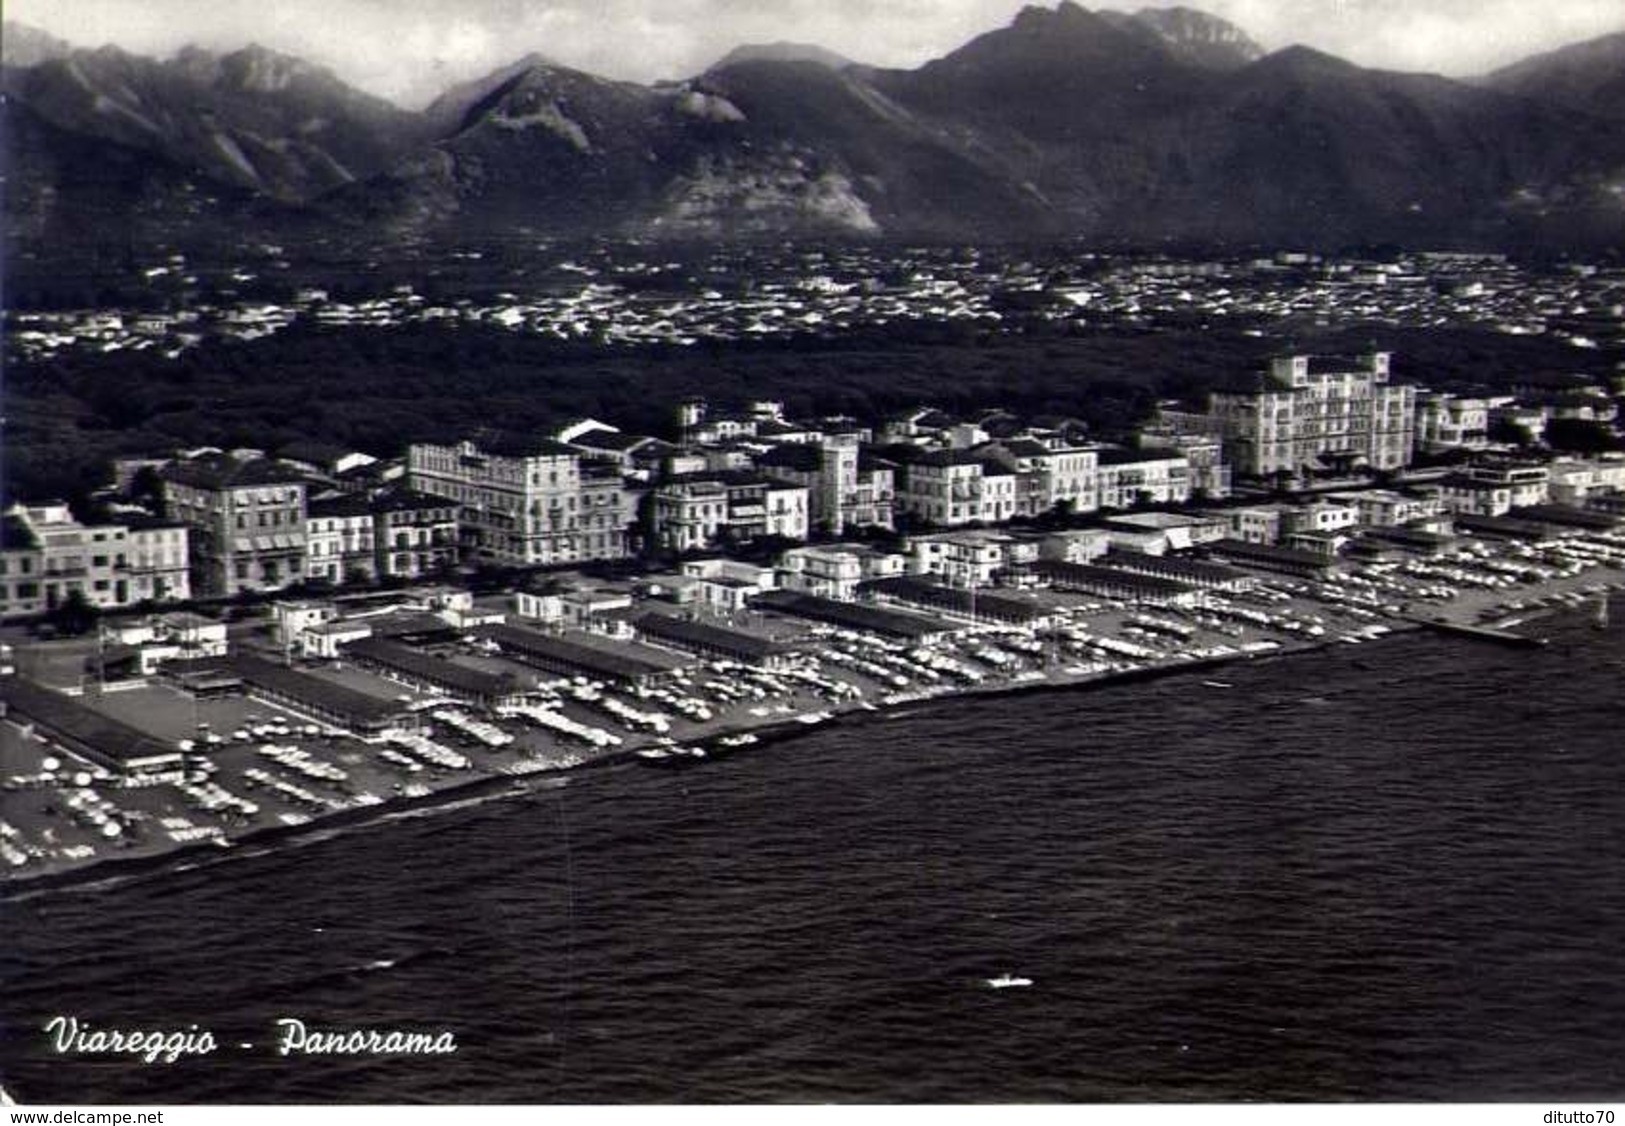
(243, 640)
(627, 298)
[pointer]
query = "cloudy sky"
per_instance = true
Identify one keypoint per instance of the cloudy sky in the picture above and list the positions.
(410, 49)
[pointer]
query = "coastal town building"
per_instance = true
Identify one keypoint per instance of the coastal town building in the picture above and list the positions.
(339, 540)
(1210, 475)
(47, 556)
(1115, 583)
(710, 642)
(846, 487)
(728, 585)
(1494, 488)
(1387, 508)
(1154, 533)
(415, 534)
(1077, 545)
(835, 570)
(1196, 573)
(21, 592)
(1324, 515)
(246, 520)
(1309, 411)
(1577, 480)
(151, 642)
(424, 672)
(1127, 478)
(86, 734)
(1257, 523)
(159, 559)
(698, 511)
(969, 558)
(526, 504)
(1450, 422)
(1050, 473)
(952, 488)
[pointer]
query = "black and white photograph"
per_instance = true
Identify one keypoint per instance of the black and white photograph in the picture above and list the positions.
(812, 553)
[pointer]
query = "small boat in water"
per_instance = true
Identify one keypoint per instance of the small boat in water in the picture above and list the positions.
(1008, 981)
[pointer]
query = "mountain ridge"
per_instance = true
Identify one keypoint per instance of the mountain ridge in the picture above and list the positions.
(1157, 124)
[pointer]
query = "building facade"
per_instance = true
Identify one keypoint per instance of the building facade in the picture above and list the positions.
(245, 519)
(339, 540)
(1313, 409)
(47, 556)
(952, 488)
(415, 535)
(698, 511)
(524, 505)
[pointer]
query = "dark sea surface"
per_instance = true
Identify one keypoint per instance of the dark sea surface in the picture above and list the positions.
(1390, 871)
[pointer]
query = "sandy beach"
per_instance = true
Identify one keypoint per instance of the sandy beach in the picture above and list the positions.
(328, 783)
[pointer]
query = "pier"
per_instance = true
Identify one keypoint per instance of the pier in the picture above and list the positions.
(1481, 633)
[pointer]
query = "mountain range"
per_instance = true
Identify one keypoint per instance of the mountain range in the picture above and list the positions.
(1141, 128)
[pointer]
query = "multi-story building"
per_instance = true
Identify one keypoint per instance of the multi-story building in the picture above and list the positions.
(91, 561)
(21, 592)
(159, 561)
(523, 505)
(1129, 477)
(415, 534)
(246, 520)
(1385, 508)
(1313, 409)
(1325, 515)
(1048, 473)
(846, 488)
(1257, 524)
(1495, 488)
(1447, 422)
(969, 558)
(46, 556)
(1210, 474)
(1576, 480)
(694, 511)
(956, 487)
(339, 540)
(835, 570)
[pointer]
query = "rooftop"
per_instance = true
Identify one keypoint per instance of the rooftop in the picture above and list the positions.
(220, 471)
(80, 728)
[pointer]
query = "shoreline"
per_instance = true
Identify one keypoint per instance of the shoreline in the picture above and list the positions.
(1465, 612)
(253, 841)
